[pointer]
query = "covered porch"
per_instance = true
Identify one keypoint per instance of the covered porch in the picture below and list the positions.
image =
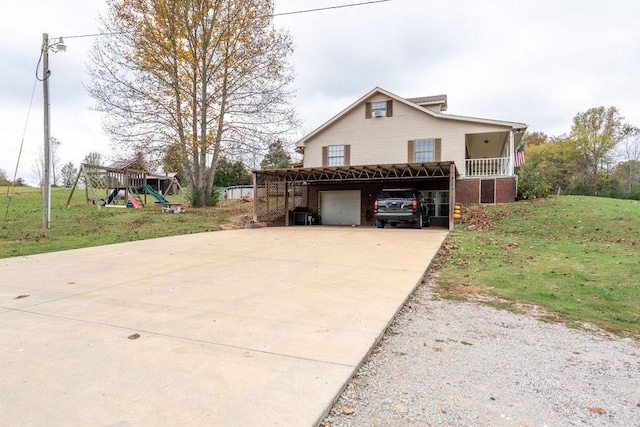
(491, 154)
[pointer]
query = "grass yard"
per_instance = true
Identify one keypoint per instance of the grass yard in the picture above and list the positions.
(85, 225)
(576, 257)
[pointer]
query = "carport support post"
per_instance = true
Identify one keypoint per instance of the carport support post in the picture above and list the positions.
(255, 197)
(452, 193)
(286, 203)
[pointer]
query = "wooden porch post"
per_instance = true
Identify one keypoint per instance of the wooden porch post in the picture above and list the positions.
(512, 154)
(452, 193)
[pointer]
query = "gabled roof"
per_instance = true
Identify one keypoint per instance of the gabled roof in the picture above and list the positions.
(423, 101)
(334, 119)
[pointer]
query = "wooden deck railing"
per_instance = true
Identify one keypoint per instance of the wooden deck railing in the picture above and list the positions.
(498, 166)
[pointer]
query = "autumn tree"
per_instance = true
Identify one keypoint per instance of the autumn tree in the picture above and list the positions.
(596, 133)
(207, 75)
(535, 138)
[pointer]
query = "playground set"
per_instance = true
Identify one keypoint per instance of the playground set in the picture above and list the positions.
(105, 186)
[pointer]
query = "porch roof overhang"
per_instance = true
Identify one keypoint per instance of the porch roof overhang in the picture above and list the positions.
(363, 173)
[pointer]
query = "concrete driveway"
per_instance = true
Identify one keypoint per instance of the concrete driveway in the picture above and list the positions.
(234, 328)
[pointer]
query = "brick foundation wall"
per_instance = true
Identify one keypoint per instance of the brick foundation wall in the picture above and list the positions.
(506, 190)
(468, 190)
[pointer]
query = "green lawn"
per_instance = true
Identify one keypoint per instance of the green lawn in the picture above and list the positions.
(85, 225)
(577, 257)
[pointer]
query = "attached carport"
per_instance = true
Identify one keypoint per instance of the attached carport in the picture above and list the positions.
(279, 193)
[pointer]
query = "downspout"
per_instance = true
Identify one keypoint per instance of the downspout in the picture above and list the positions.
(452, 193)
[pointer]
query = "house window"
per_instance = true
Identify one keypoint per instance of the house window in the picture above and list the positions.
(424, 150)
(379, 108)
(335, 155)
(437, 202)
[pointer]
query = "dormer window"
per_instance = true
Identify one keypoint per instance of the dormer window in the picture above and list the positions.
(378, 109)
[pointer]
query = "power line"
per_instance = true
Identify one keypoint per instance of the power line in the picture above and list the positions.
(330, 7)
(295, 12)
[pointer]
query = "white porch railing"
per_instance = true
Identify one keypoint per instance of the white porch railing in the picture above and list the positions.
(498, 166)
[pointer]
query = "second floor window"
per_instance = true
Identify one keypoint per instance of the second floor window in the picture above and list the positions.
(424, 150)
(379, 108)
(335, 155)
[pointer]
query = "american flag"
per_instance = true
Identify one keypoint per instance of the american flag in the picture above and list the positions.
(519, 157)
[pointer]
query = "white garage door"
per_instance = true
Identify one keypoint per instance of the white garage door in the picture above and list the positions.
(340, 207)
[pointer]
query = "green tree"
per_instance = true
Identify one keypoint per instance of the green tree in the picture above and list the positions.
(596, 133)
(4, 179)
(552, 166)
(208, 75)
(68, 174)
(277, 157)
(231, 173)
(627, 174)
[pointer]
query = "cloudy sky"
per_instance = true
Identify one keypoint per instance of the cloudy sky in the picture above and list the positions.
(538, 62)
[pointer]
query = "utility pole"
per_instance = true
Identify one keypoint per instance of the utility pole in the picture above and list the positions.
(46, 181)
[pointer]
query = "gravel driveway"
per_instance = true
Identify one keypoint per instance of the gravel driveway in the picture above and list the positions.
(466, 364)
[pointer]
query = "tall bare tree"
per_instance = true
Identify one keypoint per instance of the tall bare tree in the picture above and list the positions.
(54, 145)
(629, 168)
(208, 75)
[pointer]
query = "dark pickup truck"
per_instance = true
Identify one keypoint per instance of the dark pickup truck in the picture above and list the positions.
(396, 205)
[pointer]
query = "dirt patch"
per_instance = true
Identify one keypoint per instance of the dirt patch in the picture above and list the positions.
(238, 222)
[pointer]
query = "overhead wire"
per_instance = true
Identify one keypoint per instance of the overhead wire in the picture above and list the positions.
(295, 12)
(319, 9)
(11, 185)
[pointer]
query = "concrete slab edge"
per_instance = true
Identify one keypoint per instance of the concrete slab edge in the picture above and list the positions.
(423, 277)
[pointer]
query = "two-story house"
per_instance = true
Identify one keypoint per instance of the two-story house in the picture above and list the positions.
(382, 141)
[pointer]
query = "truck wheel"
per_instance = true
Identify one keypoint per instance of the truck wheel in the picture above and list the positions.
(418, 224)
(379, 223)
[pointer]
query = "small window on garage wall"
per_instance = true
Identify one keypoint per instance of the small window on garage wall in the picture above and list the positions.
(424, 150)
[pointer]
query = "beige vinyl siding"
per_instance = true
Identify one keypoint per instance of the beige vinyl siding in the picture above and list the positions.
(384, 140)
